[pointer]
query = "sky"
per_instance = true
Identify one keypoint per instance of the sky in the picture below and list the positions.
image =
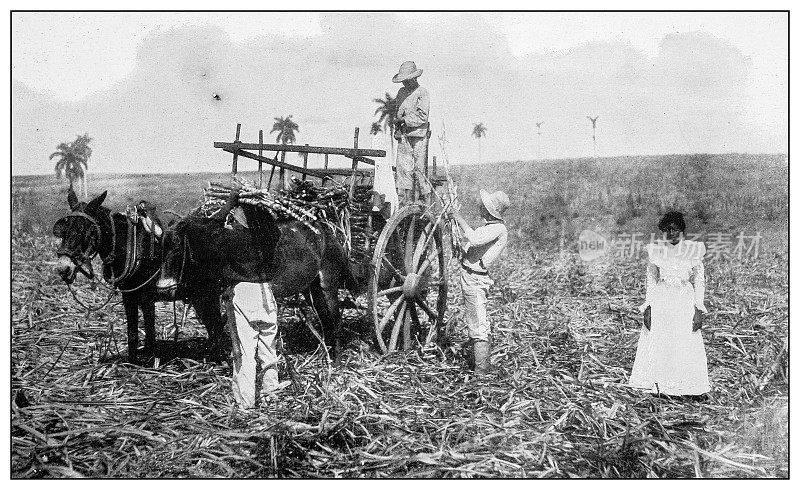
(141, 84)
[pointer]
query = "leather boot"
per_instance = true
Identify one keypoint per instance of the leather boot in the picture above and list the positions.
(468, 353)
(481, 350)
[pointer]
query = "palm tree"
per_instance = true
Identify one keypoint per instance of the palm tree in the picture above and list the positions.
(285, 128)
(479, 131)
(387, 113)
(74, 160)
(375, 128)
(594, 140)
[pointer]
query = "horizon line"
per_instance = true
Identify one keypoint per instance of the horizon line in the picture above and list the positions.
(500, 162)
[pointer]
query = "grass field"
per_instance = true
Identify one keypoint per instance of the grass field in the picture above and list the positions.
(565, 334)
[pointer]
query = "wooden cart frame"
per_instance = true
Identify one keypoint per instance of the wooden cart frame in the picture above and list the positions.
(407, 285)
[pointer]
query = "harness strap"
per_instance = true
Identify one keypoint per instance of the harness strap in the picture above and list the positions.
(132, 261)
(131, 249)
(109, 259)
(86, 216)
(153, 242)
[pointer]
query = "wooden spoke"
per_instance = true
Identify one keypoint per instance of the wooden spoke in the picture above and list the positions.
(414, 317)
(407, 327)
(425, 265)
(398, 324)
(393, 270)
(385, 320)
(396, 289)
(431, 236)
(389, 312)
(428, 311)
(409, 242)
(422, 245)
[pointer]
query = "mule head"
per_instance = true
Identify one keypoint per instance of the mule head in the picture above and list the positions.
(79, 232)
(175, 254)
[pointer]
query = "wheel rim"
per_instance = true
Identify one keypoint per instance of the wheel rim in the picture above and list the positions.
(409, 282)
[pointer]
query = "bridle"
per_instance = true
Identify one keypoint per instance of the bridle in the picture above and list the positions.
(85, 259)
(186, 250)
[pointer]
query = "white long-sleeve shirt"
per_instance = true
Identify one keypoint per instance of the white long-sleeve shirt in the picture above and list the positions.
(483, 245)
(676, 263)
(413, 108)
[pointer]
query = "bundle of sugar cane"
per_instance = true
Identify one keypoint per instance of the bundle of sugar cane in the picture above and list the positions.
(276, 205)
(210, 206)
(264, 198)
(324, 202)
(306, 191)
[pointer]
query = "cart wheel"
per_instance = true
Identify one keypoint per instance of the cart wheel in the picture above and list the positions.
(408, 285)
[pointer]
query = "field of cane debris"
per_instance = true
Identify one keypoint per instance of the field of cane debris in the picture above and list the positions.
(555, 406)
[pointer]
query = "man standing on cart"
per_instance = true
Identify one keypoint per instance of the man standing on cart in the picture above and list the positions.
(411, 131)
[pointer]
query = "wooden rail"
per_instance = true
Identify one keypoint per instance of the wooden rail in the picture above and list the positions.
(320, 173)
(357, 153)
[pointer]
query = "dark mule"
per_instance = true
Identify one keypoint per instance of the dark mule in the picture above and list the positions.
(131, 261)
(201, 252)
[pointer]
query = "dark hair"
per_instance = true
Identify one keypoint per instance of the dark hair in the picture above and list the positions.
(672, 217)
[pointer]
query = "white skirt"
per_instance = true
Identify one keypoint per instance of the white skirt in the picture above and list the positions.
(670, 358)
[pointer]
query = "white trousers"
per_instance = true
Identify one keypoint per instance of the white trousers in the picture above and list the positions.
(255, 314)
(475, 288)
(411, 153)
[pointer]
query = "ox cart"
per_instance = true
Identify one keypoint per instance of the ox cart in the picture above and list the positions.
(404, 253)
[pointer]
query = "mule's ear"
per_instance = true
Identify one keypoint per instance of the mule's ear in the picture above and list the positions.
(72, 199)
(95, 203)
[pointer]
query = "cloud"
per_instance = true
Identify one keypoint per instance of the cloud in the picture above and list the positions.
(163, 118)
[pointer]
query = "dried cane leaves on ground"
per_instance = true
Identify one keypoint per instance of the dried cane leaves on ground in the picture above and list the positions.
(555, 405)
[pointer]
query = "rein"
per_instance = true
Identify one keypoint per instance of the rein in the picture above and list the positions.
(132, 261)
(89, 309)
(140, 286)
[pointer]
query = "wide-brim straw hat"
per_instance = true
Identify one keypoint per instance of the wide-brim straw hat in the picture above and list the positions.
(408, 70)
(496, 203)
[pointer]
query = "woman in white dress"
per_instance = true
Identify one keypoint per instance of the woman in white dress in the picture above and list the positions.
(671, 356)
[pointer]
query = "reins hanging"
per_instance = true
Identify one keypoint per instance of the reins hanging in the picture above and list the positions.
(89, 309)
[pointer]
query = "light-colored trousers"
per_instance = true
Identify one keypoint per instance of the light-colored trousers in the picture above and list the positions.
(475, 288)
(411, 153)
(255, 315)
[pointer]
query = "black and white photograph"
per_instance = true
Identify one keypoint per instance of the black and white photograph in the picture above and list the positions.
(398, 244)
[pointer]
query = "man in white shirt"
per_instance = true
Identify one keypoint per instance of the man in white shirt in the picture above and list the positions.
(482, 247)
(411, 131)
